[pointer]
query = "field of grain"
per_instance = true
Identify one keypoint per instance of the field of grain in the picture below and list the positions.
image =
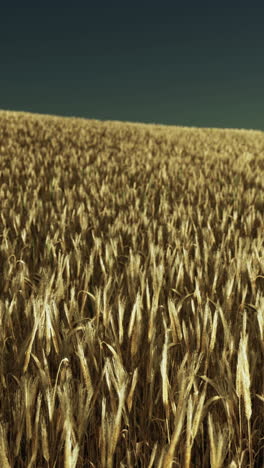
(131, 295)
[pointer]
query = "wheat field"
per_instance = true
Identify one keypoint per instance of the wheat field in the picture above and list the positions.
(131, 294)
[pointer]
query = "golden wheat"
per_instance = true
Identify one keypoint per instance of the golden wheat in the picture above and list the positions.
(131, 294)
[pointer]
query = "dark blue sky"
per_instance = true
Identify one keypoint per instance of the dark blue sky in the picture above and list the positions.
(155, 62)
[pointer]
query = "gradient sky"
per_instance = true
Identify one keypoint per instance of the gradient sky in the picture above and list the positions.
(198, 65)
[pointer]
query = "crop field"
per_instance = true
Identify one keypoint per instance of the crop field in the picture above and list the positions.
(131, 294)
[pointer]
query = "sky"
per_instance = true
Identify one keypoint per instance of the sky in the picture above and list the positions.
(197, 64)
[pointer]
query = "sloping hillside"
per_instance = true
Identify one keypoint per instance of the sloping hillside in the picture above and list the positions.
(131, 294)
